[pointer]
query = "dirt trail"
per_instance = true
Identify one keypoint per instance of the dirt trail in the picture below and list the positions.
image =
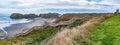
(67, 36)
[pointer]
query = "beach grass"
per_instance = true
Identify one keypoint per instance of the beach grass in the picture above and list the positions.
(107, 33)
(40, 35)
(32, 37)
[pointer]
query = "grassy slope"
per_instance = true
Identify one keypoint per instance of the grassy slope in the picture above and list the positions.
(75, 35)
(107, 33)
(32, 37)
(36, 35)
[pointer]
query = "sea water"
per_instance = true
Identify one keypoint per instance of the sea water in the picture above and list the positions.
(6, 21)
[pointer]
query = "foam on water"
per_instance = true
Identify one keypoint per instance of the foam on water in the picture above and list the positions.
(5, 21)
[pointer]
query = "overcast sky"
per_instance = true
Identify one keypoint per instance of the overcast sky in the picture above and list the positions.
(10, 6)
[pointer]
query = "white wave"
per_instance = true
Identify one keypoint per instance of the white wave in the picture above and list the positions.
(7, 23)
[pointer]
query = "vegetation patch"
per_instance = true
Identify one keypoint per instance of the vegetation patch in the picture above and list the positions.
(107, 33)
(32, 37)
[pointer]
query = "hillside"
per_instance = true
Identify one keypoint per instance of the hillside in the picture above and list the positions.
(73, 33)
(68, 16)
(107, 33)
(40, 34)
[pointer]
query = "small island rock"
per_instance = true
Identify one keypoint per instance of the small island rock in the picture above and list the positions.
(18, 15)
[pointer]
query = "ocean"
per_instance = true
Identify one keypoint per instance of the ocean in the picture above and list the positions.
(6, 21)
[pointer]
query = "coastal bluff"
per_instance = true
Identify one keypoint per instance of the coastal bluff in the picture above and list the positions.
(32, 15)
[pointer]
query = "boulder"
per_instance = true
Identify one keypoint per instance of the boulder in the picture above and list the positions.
(49, 15)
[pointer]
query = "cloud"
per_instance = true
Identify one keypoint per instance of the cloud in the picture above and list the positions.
(10, 6)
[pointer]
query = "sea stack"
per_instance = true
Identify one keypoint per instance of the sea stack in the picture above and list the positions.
(18, 15)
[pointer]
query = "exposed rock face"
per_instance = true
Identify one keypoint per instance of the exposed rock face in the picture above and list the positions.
(49, 15)
(31, 15)
(18, 15)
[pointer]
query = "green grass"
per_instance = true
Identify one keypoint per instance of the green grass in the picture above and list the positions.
(107, 33)
(33, 37)
(40, 35)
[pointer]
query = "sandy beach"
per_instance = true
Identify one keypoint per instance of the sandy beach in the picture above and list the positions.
(16, 29)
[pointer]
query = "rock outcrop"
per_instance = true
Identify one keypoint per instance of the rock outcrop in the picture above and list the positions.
(49, 15)
(32, 15)
(18, 15)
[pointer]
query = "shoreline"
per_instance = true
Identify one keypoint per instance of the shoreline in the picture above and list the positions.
(16, 29)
